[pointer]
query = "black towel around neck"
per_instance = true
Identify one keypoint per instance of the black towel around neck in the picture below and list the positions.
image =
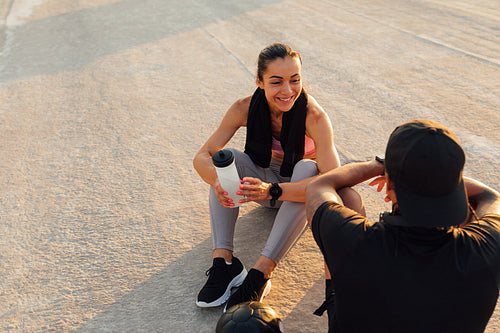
(259, 133)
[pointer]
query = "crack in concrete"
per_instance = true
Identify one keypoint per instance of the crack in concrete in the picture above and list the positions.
(3, 21)
(228, 52)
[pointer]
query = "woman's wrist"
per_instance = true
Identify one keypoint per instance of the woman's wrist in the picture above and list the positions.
(275, 191)
(268, 187)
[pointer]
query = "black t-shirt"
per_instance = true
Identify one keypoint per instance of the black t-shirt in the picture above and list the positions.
(403, 279)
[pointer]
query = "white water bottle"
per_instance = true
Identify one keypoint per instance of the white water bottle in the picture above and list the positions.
(228, 175)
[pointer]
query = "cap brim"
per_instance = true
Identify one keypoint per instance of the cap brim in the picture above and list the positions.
(431, 211)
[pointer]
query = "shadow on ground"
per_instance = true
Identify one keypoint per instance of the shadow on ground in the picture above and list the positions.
(166, 301)
(115, 27)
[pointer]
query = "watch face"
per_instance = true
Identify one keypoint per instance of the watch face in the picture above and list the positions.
(273, 190)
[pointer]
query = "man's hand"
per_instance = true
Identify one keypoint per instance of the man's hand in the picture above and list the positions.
(381, 182)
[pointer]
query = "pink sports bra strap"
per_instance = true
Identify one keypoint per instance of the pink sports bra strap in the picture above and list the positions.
(309, 147)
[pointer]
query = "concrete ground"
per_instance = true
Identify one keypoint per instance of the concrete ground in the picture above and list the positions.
(104, 223)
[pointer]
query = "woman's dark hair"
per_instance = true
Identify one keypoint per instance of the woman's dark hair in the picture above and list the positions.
(272, 52)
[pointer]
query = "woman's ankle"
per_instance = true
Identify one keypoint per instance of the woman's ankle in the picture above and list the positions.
(223, 253)
(265, 265)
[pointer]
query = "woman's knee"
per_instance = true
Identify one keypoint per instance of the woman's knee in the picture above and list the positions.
(244, 163)
(304, 169)
(238, 155)
(352, 200)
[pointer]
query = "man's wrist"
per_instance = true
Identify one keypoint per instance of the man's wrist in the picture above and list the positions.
(380, 159)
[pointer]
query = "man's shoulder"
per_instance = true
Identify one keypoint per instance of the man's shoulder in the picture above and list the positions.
(338, 229)
(489, 223)
(334, 213)
(482, 239)
(327, 208)
(493, 219)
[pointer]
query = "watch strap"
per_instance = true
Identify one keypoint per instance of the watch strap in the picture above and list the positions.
(275, 191)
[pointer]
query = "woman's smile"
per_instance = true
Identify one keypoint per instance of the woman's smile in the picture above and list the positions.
(285, 99)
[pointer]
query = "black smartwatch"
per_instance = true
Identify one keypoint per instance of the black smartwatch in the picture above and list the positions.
(275, 191)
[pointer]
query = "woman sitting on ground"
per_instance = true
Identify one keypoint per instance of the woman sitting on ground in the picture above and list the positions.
(289, 140)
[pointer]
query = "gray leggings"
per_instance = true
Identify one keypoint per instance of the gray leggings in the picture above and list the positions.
(290, 220)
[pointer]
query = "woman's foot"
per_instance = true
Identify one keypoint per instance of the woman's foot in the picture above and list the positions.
(254, 288)
(221, 278)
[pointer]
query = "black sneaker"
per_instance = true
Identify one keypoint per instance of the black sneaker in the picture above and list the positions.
(221, 278)
(254, 288)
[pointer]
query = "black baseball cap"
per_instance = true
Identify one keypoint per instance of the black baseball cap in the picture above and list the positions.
(425, 161)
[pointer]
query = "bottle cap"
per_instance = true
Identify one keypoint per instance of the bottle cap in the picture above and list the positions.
(223, 158)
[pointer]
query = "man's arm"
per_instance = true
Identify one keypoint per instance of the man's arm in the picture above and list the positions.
(482, 198)
(325, 187)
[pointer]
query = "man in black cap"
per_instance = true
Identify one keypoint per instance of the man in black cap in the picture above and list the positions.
(432, 264)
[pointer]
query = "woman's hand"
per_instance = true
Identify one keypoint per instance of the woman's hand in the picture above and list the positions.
(221, 195)
(254, 189)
